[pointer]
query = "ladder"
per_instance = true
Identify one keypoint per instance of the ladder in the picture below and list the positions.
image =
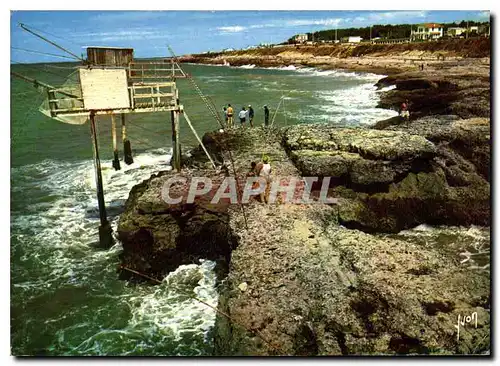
(208, 102)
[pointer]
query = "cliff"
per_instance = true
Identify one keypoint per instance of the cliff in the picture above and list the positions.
(377, 58)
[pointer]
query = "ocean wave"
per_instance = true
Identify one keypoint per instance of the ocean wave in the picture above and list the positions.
(53, 247)
(354, 104)
(284, 68)
(340, 74)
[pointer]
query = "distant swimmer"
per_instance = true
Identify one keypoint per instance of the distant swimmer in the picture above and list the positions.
(266, 116)
(243, 116)
(250, 115)
(229, 112)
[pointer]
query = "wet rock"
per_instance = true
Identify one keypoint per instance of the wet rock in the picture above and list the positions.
(465, 95)
(158, 237)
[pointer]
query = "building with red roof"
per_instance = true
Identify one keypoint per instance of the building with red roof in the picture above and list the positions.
(427, 31)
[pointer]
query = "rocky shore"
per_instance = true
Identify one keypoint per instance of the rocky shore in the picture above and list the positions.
(323, 279)
(365, 275)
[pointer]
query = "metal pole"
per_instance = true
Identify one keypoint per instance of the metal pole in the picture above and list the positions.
(284, 110)
(199, 140)
(37, 83)
(116, 161)
(105, 231)
(49, 41)
(276, 111)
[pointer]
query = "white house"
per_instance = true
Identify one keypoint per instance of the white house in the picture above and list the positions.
(300, 38)
(455, 31)
(427, 31)
(352, 39)
(473, 29)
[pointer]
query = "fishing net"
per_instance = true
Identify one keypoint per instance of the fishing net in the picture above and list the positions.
(69, 96)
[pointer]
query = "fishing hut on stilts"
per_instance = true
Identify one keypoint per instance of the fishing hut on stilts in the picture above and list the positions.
(111, 83)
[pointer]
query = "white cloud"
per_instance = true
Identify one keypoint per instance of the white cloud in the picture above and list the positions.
(232, 29)
(305, 22)
(484, 14)
(265, 25)
(122, 35)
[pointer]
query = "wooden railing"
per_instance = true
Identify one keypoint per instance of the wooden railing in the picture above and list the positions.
(147, 71)
(144, 97)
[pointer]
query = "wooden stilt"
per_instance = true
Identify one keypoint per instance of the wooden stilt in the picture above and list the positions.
(127, 148)
(116, 161)
(176, 149)
(105, 231)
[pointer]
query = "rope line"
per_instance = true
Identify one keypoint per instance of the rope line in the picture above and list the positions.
(39, 69)
(41, 53)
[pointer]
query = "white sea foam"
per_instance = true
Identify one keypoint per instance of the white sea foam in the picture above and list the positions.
(251, 66)
(56, 239)
(340, 74)
(164, 314)
(353, 105)
(284, 68)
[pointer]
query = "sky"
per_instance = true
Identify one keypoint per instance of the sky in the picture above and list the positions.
(149, 32)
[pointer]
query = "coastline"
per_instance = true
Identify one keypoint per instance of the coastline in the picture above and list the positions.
(377, 59)
(455, 78)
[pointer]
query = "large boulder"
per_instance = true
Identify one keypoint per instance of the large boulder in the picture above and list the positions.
(158, 237)
(470, 138)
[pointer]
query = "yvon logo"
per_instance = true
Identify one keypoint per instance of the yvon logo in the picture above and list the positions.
(462, 320)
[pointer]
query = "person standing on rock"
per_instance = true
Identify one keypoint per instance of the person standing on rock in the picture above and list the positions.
(250, 115)
(253, 173)
(243, 116)
(266, 116)
(264, 170)
(229, 113)
(225, 114)
(405, 112)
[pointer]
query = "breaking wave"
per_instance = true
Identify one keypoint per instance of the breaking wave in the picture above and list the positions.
(82, 307)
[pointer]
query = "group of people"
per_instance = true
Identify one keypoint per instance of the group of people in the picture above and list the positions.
(245, 114)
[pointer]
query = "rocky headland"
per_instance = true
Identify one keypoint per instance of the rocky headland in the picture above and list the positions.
(364, 275)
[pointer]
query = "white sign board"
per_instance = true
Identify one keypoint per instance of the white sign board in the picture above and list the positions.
(104, 88)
